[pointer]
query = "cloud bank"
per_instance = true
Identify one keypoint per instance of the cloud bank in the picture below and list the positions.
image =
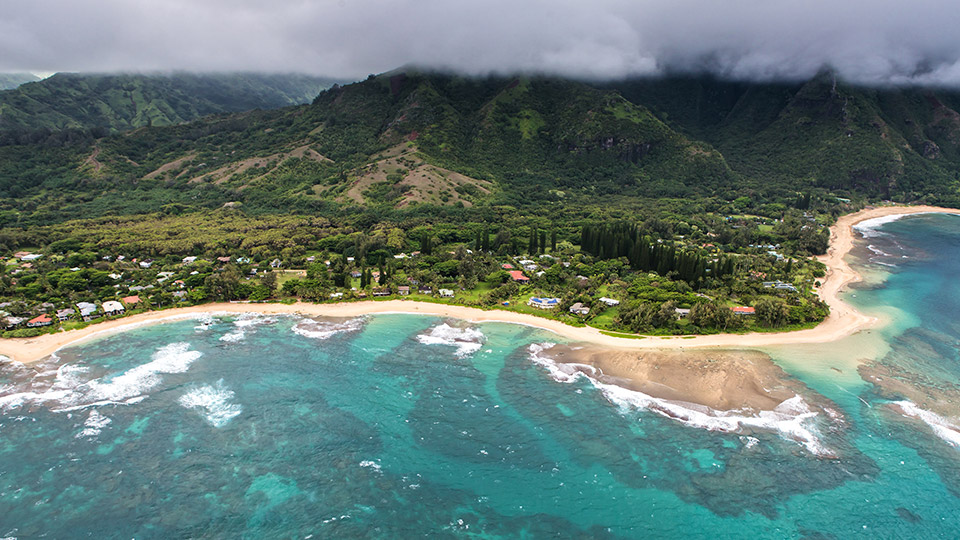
(867, 41)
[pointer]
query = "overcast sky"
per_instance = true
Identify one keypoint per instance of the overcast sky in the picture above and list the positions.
(871, 41)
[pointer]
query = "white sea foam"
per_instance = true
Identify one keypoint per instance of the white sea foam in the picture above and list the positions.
(246, 322)
(313, 329)
(791, 419)
(943, 428)
(93, 425)
(233, 337)
(466, 340)
(71, 391)
(870, 228)
(371, 464)
(214, 402)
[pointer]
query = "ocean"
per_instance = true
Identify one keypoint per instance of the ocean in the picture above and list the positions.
(400, 426)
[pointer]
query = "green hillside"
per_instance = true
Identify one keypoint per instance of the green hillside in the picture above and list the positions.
(9, 81)
(409, 143)
(899, 143)
(123, 102)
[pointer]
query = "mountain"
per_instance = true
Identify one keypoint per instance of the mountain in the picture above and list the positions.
(900, 143)
(410, 143)
(123, 102)
(9, 81)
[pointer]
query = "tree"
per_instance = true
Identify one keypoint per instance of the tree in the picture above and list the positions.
(772, 312)
(269, 280)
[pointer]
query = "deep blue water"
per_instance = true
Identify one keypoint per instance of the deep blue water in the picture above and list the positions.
(399, 426)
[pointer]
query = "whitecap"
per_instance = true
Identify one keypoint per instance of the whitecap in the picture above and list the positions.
(870, 228)
(214, 403)
(234, 336)
(466, 340)
(72, 391)
(313, 329)
(371, 464)
(792, 419)
(93, 425)
(943, 428)
(246, 322)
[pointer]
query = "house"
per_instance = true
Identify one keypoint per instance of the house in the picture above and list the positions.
(65, 314)
(223, 259)
(87, 310)
(404, 290)
(189, 260)
(12, 322)
(112, 307)
(114, 276)
(579, 309)
(682, 313)
(275, 263)
(506, 266)
(179, 283)
(42, 320)
(181, 296)
(311, 259)
(163, 276)
(31, 257)
(336, 295)
(355, 274)
(543, 303)
(779, 285)
(243, 260)
(609, 301)
(426, 289)
(146, 264)
(518, 276)
(130, 300)
(400, 256)
(446, 293)
(743, 310)
(385, 291)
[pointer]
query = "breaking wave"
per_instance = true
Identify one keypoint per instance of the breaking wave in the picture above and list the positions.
(93, 425)
(466, 340)
(213, 402)
(792, 419)
(314, 329)
(943, 428)
(870, 228)
(244, 323)
(71, 391)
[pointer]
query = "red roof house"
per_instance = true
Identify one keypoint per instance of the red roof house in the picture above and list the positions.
(42, 320)
(518, 276)
(130, 300)
(741, 310)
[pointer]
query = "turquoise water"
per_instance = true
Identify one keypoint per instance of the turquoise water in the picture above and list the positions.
(398, 426)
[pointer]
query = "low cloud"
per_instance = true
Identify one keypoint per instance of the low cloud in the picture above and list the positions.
(874, 42)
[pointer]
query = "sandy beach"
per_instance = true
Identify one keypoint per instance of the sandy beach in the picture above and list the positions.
(842, 321)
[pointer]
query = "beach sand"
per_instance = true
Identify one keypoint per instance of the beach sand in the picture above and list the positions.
(843, 320)
(720, 379)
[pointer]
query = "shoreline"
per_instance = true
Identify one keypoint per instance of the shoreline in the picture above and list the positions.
(843, 320)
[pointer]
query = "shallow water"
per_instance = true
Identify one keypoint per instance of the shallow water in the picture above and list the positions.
(401, 425)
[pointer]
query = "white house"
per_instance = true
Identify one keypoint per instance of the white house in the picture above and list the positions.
(543, 303)
(609, 301)
(112, 307)
(87, 310)
(189, 260)
(579, 309)
(446, 293)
